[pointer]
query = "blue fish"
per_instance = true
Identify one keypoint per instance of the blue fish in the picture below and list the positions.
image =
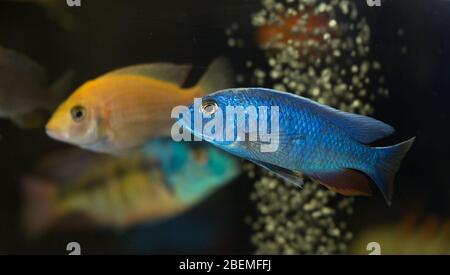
(327, 145)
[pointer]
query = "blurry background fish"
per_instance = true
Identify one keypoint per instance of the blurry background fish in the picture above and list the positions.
(303, 29)
(413, 234)
(57, 10)
(119, 192)
(25, 91)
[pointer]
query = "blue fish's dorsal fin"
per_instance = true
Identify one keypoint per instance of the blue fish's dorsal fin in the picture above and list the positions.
(286, 174)
(361, 128)
(176, 74)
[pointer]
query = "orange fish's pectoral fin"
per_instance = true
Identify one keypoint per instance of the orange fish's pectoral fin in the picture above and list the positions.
(347, 182)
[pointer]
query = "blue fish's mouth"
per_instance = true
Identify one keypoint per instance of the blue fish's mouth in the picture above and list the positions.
(186, 122)
(186, 119)
(192, 120)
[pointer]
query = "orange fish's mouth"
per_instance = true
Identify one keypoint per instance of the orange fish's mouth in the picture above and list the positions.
(60, 136)
(54, 134)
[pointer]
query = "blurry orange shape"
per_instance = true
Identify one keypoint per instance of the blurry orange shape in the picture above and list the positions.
(306, 26)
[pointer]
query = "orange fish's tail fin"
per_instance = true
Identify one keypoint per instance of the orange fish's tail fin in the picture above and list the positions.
(39, 211)
(218, 76)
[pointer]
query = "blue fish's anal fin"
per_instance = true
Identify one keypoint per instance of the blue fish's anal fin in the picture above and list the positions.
(286, 174)
(347, 182)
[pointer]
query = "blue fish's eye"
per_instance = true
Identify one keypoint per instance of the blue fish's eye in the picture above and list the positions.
(209, 107)
(78, 113)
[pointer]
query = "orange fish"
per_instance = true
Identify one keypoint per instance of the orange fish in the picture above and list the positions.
(122, 110)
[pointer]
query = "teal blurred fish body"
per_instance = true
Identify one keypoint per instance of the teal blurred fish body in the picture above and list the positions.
(192, 171)
(165, 180)
(328, 145)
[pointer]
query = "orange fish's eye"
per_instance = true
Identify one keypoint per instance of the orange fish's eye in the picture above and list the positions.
(78, 113)
(209, 107)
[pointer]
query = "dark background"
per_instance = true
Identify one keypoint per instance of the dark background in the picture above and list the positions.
(112, 34)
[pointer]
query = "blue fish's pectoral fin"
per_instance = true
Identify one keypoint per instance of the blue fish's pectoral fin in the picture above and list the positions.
(347, 182)
(282, 137)
(290, 176)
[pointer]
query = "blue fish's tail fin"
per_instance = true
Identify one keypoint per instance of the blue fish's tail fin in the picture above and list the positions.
(389, 159)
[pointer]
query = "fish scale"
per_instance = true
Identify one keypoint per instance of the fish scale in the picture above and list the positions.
(328, 147)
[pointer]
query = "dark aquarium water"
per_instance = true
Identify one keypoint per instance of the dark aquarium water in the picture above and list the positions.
(88, 162)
